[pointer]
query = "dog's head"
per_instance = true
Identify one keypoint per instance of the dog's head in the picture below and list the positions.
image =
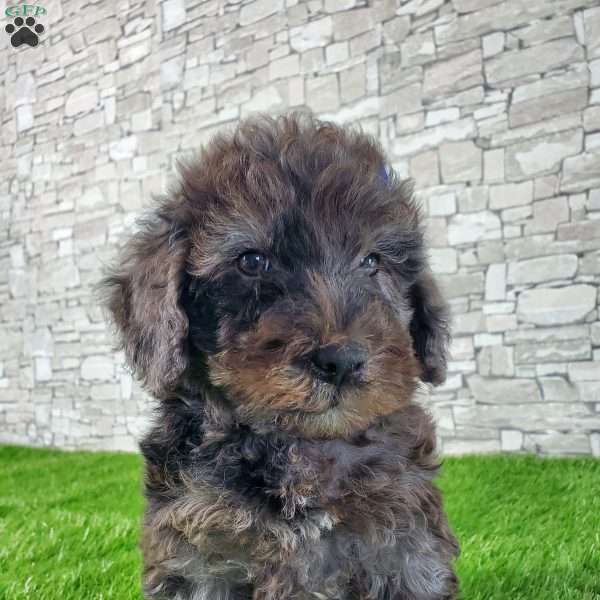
(287, 272)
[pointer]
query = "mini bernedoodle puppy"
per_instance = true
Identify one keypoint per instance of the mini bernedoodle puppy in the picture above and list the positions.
(279, 305)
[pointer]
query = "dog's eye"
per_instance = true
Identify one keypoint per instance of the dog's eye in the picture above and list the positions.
(252, 263)
(370, 263)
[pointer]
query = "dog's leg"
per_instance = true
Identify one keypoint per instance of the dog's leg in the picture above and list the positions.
(393, 589)
(417, 567)
(281, 583)
(392, 592)
(218, 590)
(180, 588)
(187, 578)
(421, 577)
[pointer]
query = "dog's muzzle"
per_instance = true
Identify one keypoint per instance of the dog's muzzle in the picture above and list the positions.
(337, 364)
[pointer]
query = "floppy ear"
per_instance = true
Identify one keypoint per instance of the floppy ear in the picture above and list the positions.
(142, 295)
(429, 328)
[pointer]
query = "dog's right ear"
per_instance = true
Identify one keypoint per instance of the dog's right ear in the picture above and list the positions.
(143, 298)
(429, 328)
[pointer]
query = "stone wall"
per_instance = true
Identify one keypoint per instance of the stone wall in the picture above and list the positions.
(493, 107)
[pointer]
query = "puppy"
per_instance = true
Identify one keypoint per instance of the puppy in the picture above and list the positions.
(279, 306)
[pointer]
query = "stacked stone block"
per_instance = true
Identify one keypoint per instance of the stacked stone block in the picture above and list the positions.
(492, 107)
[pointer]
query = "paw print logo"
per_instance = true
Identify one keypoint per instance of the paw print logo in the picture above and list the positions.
(24, 32)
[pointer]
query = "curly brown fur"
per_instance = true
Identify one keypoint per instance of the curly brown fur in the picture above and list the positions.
(271, 474)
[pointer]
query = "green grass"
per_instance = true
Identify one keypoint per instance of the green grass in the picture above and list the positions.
(529, 528)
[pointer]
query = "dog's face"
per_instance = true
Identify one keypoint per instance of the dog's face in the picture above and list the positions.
(289, 273)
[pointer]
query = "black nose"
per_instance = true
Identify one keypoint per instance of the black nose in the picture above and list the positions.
(334, 363)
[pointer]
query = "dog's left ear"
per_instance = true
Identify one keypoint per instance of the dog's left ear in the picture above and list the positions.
(429, 328)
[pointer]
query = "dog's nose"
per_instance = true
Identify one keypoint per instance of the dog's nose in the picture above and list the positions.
(334, 363)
